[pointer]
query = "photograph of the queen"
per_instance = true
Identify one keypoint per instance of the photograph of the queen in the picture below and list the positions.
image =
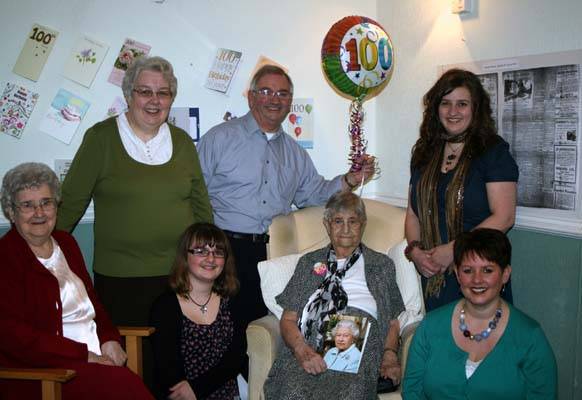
(345, 355)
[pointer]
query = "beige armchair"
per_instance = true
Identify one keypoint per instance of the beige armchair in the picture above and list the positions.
(297, 233)
(52, 379)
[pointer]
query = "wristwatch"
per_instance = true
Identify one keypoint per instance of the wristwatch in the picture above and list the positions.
(410, 247)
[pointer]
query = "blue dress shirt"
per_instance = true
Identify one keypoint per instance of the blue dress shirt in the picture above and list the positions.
(251, 180)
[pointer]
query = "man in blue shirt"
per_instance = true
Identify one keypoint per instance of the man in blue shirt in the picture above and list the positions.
(254, 171)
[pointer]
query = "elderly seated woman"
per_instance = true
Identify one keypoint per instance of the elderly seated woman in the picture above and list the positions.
(345, 278)
(49, 314)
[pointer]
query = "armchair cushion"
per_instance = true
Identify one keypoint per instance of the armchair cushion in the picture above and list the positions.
(275, 274)
(408, 282)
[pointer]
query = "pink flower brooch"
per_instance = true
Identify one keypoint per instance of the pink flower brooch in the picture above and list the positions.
(320, 269)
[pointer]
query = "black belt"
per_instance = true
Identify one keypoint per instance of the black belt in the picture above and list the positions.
(253, 237)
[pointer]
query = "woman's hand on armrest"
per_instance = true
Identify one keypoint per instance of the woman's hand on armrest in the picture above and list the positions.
(309, 360)
(390, 367)
(113, 350)
(103, 360)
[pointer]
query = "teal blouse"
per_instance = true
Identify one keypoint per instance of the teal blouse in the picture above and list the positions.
(520, 366)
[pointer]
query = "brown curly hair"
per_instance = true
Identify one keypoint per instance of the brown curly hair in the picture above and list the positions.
(203, 234)
(482, 132)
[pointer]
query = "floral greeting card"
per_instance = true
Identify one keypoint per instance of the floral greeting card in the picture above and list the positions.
(85, 60)
(223, 69)
(129, 52)
(16, 105)
(117, 107)
(35, 52)
(64, 116)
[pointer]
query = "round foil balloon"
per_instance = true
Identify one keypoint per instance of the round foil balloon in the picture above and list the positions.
(357, 57)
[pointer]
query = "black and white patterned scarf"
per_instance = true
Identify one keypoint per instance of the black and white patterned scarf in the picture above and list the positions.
(328, 299)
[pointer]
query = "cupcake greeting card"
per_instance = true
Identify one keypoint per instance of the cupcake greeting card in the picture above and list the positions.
(64, 116)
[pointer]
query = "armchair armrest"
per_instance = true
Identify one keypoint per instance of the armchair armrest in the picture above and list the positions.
(263, 339)
(405, 340)
(133, 345)
(51, 378)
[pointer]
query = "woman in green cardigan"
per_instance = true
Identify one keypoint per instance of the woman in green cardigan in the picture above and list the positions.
(480, 347)
(146, 184)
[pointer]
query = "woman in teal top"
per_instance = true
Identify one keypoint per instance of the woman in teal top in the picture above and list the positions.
(480, 347)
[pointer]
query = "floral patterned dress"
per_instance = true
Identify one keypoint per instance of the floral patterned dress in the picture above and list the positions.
(203, 346)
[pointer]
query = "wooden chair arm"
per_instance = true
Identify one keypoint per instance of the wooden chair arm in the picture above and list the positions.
(133, 345)
(51, 378)
(140, 331)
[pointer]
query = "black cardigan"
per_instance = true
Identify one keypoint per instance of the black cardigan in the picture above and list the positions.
(166, 317)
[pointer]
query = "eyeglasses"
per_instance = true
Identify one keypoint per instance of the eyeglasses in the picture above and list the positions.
(280, 94)
(148, 93)
(205, 252)
(350, 222)
(29, 207)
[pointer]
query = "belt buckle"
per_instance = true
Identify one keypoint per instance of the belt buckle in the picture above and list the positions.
(261, 238)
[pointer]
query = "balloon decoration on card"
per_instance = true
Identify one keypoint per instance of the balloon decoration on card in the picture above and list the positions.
(357, 58)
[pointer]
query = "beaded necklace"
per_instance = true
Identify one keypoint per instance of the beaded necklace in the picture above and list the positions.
(484, 334)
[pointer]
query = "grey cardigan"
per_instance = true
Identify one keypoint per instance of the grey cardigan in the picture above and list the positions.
(380, 278)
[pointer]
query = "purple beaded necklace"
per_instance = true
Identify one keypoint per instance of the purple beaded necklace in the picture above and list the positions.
(484, 334)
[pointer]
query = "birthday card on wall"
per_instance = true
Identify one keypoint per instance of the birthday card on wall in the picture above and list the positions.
(16, 105)
(64, 116)
(223, 69)
(118, 106)
(85, 60)
(130, 50)
(187, 118)
(300, 122)
(35, 52)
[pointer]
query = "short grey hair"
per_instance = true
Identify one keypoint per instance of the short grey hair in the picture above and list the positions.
(270, 70)
(144, 63)
(345, 201)
(349, 324)
(26, 176)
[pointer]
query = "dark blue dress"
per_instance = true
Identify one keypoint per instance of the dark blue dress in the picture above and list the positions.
(495, 165)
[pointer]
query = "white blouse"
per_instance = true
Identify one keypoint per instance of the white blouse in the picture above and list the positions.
(156, 151)
(77, 310)
(354, 283)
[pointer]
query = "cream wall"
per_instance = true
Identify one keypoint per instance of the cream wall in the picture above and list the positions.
(426, 34)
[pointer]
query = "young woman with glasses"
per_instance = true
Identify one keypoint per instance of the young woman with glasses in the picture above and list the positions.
(199, 343)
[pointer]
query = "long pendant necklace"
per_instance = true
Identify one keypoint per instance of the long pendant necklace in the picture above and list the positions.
(451, 157)
(484, 334)
(203, 307)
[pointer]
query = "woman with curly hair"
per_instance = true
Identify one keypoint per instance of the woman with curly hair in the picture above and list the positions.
(462, 177)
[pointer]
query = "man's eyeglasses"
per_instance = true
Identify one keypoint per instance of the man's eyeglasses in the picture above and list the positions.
(148, 93)
(205, 252)
(280, 94)
(29, 207)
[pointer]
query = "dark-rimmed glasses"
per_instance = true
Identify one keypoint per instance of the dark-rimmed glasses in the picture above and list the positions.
(205, 252)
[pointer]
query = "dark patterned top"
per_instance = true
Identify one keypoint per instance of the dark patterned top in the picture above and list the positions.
(203, 346)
